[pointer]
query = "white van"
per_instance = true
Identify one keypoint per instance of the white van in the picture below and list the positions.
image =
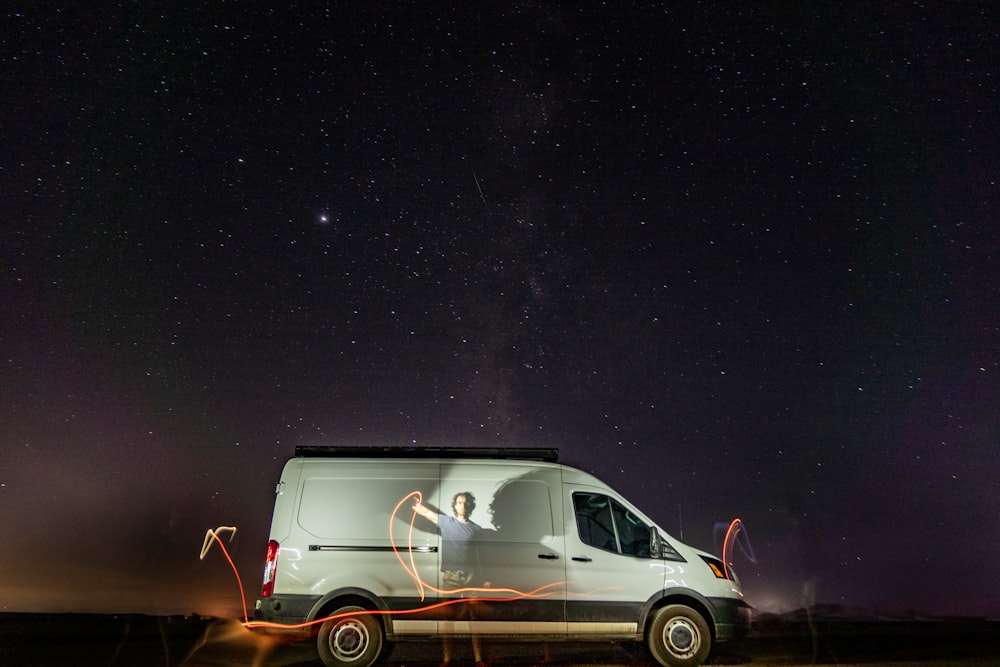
(363, 550)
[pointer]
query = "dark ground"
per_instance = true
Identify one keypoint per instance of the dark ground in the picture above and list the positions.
(41, 640)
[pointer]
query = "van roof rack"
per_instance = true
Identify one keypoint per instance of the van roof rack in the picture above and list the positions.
(550, 455)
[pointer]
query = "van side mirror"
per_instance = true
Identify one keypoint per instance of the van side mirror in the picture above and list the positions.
(654, 543)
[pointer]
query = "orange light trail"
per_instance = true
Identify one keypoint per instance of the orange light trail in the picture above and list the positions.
(735, 526)
(377, 612)
(411, 569)
(211, 535)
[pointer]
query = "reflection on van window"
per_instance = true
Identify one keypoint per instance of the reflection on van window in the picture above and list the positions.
(633, 534)
(605, 523)
(593, 521)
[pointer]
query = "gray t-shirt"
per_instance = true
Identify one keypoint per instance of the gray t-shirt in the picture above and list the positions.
(457, 551)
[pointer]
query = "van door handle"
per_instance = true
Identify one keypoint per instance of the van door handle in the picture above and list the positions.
(581, 559)
(548, 556)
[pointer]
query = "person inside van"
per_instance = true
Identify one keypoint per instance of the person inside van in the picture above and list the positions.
(459, 559)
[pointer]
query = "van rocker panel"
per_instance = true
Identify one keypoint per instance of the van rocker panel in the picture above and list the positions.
(584, 620)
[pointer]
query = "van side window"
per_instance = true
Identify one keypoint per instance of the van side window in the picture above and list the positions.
(633, 534)
(594, 522)
(605, 523)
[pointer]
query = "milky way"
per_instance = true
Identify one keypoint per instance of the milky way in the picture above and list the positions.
(738, 262)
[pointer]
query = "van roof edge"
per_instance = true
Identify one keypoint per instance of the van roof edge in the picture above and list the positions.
(547, 454)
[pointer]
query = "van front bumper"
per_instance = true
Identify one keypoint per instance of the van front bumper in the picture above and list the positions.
(732, 618)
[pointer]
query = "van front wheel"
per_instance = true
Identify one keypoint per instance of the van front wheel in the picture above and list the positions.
(679, 637)
(351, 637)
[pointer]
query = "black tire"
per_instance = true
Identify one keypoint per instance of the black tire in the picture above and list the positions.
(679, 637)
(352, 638)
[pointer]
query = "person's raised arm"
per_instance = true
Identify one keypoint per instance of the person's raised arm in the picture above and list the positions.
(428, 514)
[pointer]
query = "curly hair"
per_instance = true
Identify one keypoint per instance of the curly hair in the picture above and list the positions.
(470, 501)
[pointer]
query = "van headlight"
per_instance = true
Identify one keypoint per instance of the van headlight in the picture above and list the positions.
(721, 571)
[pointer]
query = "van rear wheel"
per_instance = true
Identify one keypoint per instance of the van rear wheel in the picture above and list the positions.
(351, 637)
(679, 637)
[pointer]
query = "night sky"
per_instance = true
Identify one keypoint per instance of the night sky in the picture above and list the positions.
(736, 259)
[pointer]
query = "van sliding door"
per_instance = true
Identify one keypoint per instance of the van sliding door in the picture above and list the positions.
(519, 577)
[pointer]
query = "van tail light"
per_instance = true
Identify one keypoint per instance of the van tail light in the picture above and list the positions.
(270, 569)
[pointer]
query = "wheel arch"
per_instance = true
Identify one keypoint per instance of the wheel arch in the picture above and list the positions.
(343, 597)
(687, 598)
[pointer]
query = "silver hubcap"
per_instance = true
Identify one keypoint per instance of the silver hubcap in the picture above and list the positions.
(349, 640)
(681, 637)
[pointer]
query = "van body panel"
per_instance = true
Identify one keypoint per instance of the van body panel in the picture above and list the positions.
(341, 522)
(521, 545)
